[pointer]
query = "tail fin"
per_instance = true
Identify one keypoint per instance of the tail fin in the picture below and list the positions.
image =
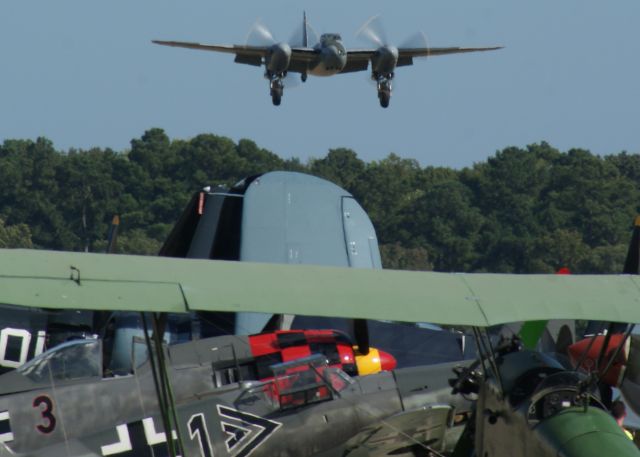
(113, 234)
(632, 263)
(305, 42)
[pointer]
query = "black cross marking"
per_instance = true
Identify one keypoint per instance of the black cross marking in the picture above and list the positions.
(139, 443)
(6, 434)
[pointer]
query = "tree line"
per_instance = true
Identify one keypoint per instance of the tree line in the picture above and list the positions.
(523, 210)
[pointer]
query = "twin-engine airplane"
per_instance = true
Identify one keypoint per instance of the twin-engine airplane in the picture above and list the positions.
(327, 57)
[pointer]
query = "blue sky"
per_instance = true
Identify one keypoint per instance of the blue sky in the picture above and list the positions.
(84, 73)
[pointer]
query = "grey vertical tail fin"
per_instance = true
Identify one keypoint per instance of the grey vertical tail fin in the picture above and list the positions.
(305, 41)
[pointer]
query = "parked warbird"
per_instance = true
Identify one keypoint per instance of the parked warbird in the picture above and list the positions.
(527, 404)
(237, 404)
(327, 57)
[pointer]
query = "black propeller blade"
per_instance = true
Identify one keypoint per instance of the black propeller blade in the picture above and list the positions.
(361, 335)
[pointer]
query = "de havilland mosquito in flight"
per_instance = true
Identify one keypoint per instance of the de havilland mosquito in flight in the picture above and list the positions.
(327, 57)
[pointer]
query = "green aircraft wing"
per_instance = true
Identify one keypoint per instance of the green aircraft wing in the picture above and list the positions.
(65, 280)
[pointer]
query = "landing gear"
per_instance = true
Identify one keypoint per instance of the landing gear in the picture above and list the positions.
(303, 77)
(384, 99)
(383, 83)
(384, 89)
(276, 88)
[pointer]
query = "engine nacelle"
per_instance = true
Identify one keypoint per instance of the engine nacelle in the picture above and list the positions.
(384, 61)
(278, 59)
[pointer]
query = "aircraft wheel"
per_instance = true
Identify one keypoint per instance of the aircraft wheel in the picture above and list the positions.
(276, 99)
(384, 99)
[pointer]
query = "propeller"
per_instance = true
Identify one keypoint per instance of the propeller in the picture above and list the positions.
(373, 31)
(260, 35)
(361, 335)
(417, 40)
(386, 57)
(297, 38)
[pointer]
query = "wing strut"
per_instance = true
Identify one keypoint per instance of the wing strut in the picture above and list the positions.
(614, 357)
(483, 341)
(166, 399)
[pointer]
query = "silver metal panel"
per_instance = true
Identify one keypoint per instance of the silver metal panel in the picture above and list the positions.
(293, 218)
(300, 219)
(360, 236)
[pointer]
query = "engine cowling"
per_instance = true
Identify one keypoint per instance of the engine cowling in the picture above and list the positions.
(384, 61)
(278, 58)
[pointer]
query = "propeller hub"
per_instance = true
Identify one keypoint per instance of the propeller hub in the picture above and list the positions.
(374, 361)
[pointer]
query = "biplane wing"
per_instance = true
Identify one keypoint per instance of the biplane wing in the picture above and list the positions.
(66, 280)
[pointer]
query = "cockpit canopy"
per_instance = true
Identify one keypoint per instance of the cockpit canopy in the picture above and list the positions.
(76, 359)
(329, 38)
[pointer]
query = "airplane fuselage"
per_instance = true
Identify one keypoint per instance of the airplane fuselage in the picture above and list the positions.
(325, 414)
(331, 56)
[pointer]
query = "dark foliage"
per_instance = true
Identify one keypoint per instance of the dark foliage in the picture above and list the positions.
(522, 210)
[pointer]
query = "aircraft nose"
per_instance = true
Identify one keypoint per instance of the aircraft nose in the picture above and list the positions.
(580, 433)
(387, 361)
(374, 362)
(332, 57)
(600, 444)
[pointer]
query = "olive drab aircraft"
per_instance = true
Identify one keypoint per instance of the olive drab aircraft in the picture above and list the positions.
(326, 57)
(63, 402)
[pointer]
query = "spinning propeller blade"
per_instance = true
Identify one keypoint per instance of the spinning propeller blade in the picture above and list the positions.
(260, 35)
(373, 31)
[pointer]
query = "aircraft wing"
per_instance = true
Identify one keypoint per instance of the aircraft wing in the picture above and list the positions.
(402, 433)
(251, 55)
(406, 55)
(70, 280)
(301, 59)
(358, 59)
